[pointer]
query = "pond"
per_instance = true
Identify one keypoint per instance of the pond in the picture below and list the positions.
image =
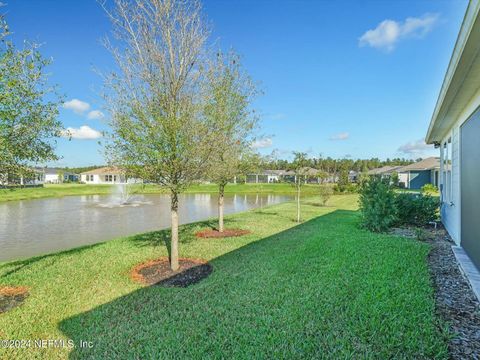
(35, 227)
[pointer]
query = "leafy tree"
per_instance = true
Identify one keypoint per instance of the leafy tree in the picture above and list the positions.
(229, 93)
(298, 166)
(28, 109)
(154, 98)
(343, 180)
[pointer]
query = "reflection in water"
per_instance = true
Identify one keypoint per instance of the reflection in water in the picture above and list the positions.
(34, 227)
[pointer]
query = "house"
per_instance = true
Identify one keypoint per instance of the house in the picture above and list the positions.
(455, 130)
(57, 176)
(418, 174)
(269, 176)
(36, 178)
(104, 175)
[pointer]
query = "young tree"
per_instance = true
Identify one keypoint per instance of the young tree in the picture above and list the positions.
(28, 109)
(154, 98)
(343, 180)
(229, 93)
(299, 164)
(394, 179)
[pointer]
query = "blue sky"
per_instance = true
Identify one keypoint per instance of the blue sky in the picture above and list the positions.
(342, 78)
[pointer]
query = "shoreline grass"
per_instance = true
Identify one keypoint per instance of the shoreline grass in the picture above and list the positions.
(322, 289)
(59, 190)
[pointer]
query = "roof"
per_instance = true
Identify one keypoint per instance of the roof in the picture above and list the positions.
(275, 172)
(310, 171)
(425, 164)
(461, 79)
(107, 170)
(383, 170)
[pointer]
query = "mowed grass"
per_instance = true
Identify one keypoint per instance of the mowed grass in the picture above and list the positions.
(321, 289)
(58, 190)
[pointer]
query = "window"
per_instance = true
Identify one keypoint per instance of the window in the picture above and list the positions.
(108, 178)
(447, 171)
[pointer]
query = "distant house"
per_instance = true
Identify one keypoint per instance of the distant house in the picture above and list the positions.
(36, 178)
(455, 129)
(416, 175)
(104, 175)
(353, 176)
(57, 176)
(269, 176)
(107, 175)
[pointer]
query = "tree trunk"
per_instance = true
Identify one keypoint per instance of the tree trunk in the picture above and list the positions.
(298, 204)
(221, 193)
(174, 238)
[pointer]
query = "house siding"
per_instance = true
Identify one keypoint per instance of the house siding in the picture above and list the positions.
(419, 178)
(450, 212)
(469, 181)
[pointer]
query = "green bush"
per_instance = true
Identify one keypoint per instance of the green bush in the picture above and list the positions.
(429, 189)
(377, 204)
(415, 209)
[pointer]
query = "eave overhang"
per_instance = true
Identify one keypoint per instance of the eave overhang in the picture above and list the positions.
(462, 79)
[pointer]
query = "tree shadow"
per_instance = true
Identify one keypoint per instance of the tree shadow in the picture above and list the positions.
(162, 237)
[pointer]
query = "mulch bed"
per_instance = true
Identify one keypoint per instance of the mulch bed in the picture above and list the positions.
(455, 301)
(158, 272)
(214, 233)
(11, 297)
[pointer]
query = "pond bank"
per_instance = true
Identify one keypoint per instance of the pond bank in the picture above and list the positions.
(60, 190)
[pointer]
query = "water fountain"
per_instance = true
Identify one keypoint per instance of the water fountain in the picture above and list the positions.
(124, 192)
(124, 195)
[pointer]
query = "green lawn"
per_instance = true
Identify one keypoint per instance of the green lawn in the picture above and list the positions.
(51, 190)
(321, 289)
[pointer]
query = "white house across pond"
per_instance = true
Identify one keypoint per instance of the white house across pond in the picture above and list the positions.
(104, 175)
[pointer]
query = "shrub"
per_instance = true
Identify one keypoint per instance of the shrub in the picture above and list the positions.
(377, 203)
(429, 189)
(415, 209)
(325, 193)
(345, 189)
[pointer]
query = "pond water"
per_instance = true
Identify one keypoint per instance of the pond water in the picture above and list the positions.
(35, 227)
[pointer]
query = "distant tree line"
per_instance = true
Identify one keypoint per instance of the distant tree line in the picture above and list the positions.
(335, 166)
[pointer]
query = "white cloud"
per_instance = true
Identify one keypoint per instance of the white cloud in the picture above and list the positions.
(82, 133)
(95, 115)
(77, 106)
(262, 143)
(340, 136)
(415, 147)
(389, 32)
